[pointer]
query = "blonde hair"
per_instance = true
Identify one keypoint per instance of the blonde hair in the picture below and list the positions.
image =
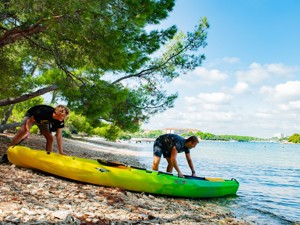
(61, 109)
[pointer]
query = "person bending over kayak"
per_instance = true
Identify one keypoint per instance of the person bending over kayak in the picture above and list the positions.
(48, 119)
(169, 145)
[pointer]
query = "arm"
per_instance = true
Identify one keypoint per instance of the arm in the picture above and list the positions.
(59, 140)
(174, 161)
(190, 162)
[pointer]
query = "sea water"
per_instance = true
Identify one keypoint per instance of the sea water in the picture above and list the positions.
(268, 173)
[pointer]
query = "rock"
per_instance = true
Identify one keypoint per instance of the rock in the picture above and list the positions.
(62, 215)
(31, 197)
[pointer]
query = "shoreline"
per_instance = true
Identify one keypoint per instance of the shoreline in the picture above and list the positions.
(32, 197)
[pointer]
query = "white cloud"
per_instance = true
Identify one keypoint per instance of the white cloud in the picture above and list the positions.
(212, 98)
(289, 91)
(199, 77)
(203, 108)
(258, 73)
(267, 90)
(292, 105)
(210, 76)
(240, 88)
(255, 74)
(280, 69)
(184, 81)
(222, 107)
(209, 107)
(210, 116)
(265, 113)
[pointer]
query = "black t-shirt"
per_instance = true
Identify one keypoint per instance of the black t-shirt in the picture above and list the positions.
(43, 114)
(171, 140)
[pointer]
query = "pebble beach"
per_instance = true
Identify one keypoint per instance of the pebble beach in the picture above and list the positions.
(34, 197)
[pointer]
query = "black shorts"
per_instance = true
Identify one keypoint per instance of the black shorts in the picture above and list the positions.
(41, 126)
(163, 146)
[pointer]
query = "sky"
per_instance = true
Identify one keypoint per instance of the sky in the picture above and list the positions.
(249, 83)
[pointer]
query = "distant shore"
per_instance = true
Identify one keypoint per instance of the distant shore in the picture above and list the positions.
(33, 197)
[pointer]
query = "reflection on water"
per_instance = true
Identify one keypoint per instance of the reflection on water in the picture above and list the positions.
(268, 173)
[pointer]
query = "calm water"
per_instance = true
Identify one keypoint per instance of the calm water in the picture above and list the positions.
(268, 173)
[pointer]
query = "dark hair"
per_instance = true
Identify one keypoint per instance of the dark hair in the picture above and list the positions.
(192, 139)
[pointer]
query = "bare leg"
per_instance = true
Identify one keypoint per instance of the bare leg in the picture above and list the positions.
(21, 134)
(156, 161)
(49, 140)
(170, 166)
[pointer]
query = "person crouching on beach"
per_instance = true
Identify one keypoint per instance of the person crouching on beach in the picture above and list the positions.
(48, 119)
(169, 145)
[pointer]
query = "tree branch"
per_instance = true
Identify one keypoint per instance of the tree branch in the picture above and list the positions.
(9, 101)
(18, 33)
(154, 68)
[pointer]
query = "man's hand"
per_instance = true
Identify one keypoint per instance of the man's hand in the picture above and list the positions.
(180, 175)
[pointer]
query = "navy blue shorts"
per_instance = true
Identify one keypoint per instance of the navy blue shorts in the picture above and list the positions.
(162, 147)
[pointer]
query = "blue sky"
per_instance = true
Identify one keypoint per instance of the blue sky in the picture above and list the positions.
(249, 83)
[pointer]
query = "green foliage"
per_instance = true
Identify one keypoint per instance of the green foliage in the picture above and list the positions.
(101, 131)
(200, 134)
(112, 133)
(104, 62)
(295, 138)
(209, 136)
(20, 109)
(78, 123)
(146, 134)
(95, 99)
(34, 130)
(14, 79)
(206, 136)
(66, 134)
(137, 107)
(124, 136)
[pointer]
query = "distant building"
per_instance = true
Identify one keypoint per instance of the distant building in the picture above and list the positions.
(279, 135)
(179, 130)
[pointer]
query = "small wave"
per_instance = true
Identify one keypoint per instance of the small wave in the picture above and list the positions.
(261, 216)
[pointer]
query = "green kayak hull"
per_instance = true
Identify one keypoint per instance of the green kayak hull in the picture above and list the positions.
(113, 174)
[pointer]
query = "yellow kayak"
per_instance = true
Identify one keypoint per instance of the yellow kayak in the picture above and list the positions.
(126, 177)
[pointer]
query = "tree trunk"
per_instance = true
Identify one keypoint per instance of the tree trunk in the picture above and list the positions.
(6, 117)
(54, 95)
(7, 114)
(9, 126)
